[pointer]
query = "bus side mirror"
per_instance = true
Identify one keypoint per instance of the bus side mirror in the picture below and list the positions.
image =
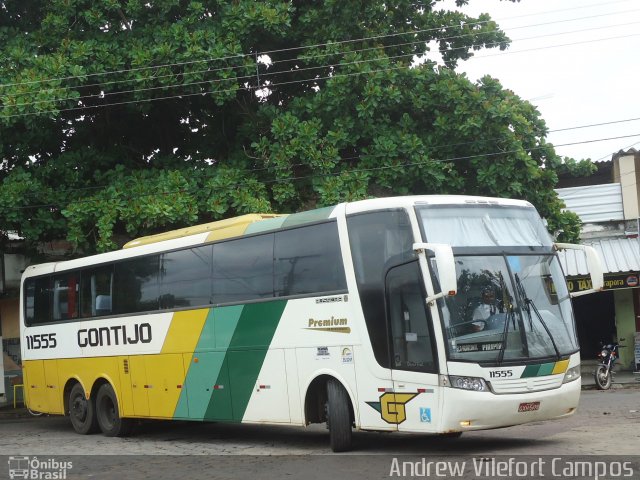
(446, 268)
(594, 265)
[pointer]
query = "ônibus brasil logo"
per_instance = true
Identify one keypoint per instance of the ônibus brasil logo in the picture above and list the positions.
(33, 468)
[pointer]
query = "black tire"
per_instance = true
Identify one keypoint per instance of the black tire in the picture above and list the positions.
(82, 411)
(108, 415)
(338, 417)
(603, 380)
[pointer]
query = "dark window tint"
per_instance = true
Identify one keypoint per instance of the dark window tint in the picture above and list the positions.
(378, 240)
(308, 260)
(243, 269)
(97, 288)
(37, 300)
(411, 345)
(66, 296)
(185, 278)
(136, 285)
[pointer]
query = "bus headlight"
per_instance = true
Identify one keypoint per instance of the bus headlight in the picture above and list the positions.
(475, 384)
(572, 374)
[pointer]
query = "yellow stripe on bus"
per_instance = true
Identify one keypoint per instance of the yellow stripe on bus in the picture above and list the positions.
(230, 227)
(184, 331)
(560, 367)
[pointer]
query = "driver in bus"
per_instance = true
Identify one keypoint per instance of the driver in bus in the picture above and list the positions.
(485, 310)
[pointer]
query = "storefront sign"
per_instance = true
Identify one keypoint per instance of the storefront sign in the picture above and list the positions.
(611, 282)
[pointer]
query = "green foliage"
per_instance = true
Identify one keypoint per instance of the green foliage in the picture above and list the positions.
(135, 202)
(565, 227)
(121, 119)
(576, 168)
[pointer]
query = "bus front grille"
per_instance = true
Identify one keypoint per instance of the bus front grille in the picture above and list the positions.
(526, 385)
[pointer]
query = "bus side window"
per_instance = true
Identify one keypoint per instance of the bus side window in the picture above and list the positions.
(136, 285)
(185, 278)
(37, 300)
(243, 269)
(96, 292)
(65, 296)
(308, 260)
(376, 238)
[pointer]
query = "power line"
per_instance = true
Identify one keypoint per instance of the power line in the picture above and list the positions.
(332, 174)
(612, 122)
(622, 149)
(548, 47)
(298, 58)
(312, 79)
(326, 44)
(432, 147)
(267, 74)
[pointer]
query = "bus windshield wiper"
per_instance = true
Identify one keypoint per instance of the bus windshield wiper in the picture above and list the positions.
(529, 305)
(509, 318)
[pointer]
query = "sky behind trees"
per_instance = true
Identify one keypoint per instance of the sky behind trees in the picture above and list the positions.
(576, 60)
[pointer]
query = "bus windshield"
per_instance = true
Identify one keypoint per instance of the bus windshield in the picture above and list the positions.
(508, 307)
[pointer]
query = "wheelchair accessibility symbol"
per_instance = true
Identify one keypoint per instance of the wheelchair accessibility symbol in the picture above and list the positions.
(425, 415)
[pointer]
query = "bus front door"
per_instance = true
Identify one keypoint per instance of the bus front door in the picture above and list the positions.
(413, 352)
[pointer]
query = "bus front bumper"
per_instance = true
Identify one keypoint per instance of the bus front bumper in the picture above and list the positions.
(465, 410)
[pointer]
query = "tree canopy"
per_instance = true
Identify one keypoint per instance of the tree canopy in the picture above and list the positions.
(124, 118)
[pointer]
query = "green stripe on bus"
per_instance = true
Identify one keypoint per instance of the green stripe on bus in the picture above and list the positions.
(546, 369)
(224, 322)
(308, 217)
(201, 387)
(265, 225)
(206, 381)
(245, 355)
(182, 408)
(530, 371)
(538, 370)
(292, 220)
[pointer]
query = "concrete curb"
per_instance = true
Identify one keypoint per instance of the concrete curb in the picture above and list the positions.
(615, 386)
(622, 379)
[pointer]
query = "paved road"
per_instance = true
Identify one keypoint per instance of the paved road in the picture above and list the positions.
(606, 423)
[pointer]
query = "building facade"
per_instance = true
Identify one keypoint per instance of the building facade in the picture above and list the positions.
(608, 204)
(11, 267)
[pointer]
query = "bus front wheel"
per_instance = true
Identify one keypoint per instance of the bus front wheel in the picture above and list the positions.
(82, 411)
(109, 420)
(338, 416)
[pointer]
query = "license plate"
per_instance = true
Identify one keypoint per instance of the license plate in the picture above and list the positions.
(529, 407)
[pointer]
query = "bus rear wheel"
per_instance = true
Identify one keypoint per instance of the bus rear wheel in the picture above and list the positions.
(338, 417)
(108, 415)
(82, 411)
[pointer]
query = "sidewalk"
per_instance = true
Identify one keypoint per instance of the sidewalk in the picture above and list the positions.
(621, 379)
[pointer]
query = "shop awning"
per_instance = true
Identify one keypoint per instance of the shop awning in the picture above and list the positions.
(618, 255)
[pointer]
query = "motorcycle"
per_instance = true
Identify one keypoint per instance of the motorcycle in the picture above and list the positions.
(604, 370)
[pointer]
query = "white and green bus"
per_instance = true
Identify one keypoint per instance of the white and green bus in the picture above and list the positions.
(371, 315)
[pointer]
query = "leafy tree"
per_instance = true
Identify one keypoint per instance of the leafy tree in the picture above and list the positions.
(123, 118)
